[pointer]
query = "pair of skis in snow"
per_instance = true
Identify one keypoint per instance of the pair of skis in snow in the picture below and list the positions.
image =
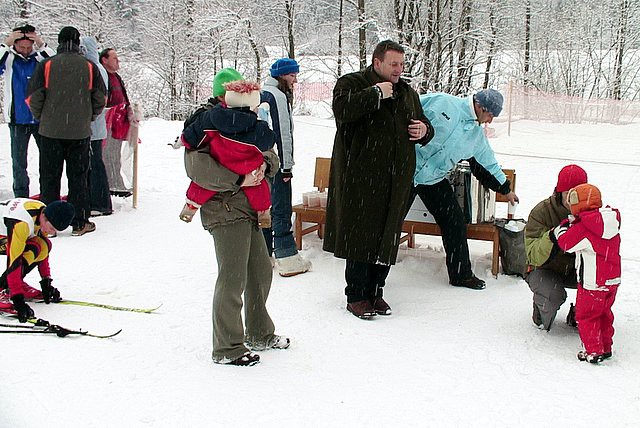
(40, 326)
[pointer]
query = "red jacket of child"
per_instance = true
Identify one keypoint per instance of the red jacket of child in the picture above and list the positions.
(594, 236)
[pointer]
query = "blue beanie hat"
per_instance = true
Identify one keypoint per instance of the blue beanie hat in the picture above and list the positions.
(60, 214)
(491, 100)
(284, 66)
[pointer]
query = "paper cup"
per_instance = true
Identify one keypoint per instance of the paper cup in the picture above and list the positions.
(314, 199)
(511, 208)
(323, 200)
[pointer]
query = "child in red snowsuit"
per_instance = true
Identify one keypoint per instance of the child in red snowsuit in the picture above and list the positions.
(236, 139)
(592, 232)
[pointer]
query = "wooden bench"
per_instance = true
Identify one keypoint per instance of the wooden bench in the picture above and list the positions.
(317, 216)
(480, 231)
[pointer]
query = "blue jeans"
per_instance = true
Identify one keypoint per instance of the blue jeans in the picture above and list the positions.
(100, 199)
(20, 135)
(280, 237)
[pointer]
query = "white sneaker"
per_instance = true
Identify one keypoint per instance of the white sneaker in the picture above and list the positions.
(274, 342)
(273, 261)
(292, 265)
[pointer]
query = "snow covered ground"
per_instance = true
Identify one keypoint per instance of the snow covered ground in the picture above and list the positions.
(446, 357)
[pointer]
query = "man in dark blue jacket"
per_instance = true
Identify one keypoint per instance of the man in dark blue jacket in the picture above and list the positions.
(19, 55)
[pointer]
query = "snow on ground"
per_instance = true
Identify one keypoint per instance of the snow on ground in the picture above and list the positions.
(446, 357)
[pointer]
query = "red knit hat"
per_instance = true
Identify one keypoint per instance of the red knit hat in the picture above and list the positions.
(584, 197)
(570, 176)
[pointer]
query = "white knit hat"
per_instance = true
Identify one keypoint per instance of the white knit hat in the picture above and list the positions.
(242, 93)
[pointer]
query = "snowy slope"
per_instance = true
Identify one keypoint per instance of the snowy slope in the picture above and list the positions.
(446, 357)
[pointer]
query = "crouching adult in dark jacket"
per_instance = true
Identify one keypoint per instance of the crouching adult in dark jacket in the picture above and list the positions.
(66, 93)
(551, 269)
(379, 119)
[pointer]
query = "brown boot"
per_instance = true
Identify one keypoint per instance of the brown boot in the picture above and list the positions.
(380, 306)
(362, 309)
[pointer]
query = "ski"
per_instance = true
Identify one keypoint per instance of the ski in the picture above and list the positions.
(105, 306)
(40, 326)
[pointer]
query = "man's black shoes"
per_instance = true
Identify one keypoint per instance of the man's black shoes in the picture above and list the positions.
(473, 283)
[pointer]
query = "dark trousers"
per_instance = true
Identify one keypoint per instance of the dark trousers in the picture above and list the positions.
(20, 135)
(549, 292)
(100, 199)
(364, 280)
(280, 237)
(56, 153)
(442, 204)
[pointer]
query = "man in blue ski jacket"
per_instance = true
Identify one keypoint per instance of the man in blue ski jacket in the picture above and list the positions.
(19, 55)
(458, 135)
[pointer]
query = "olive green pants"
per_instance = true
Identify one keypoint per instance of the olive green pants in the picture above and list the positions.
(243, 267)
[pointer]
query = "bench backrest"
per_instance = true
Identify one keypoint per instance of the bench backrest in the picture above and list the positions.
(321, 177)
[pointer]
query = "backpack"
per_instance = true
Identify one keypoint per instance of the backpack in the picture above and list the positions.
(211, 103)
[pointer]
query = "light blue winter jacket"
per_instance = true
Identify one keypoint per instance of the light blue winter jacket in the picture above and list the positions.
(458, 136)
(89, 48)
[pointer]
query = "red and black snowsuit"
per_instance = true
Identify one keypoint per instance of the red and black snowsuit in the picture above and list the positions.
(26, 245)
(236, 139)
(594, 236)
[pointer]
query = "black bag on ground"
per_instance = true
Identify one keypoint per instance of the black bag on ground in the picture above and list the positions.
(513, 255)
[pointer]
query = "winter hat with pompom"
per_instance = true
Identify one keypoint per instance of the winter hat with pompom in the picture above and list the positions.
(584, 197)
(224, 76)
(242, 93)
(570, 176)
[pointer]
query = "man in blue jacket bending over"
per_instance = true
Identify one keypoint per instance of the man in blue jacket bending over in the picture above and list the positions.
(458, 136)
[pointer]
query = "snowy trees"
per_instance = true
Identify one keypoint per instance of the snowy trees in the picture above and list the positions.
(170, 49)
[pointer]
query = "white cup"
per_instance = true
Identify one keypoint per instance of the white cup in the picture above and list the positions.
(314, 199)
(305, 198)
(323, 200)
(511, 208)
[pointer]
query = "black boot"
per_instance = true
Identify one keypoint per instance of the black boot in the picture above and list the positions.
(472, 282)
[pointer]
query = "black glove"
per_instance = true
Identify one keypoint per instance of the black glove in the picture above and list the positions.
(23, 310)
(49, 292)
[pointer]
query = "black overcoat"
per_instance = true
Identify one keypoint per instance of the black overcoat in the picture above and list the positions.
(372, 168)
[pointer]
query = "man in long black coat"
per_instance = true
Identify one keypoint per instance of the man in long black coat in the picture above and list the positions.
(379, 120)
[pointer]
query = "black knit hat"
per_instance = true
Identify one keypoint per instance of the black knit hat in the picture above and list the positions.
(69, 34)
(24, 28)
(60, 214)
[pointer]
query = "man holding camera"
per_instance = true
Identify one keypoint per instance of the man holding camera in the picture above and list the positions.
(19, 55)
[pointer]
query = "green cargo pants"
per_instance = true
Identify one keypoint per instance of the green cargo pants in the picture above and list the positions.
(243, 267)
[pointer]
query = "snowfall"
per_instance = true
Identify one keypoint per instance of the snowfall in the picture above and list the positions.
(445, 357)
